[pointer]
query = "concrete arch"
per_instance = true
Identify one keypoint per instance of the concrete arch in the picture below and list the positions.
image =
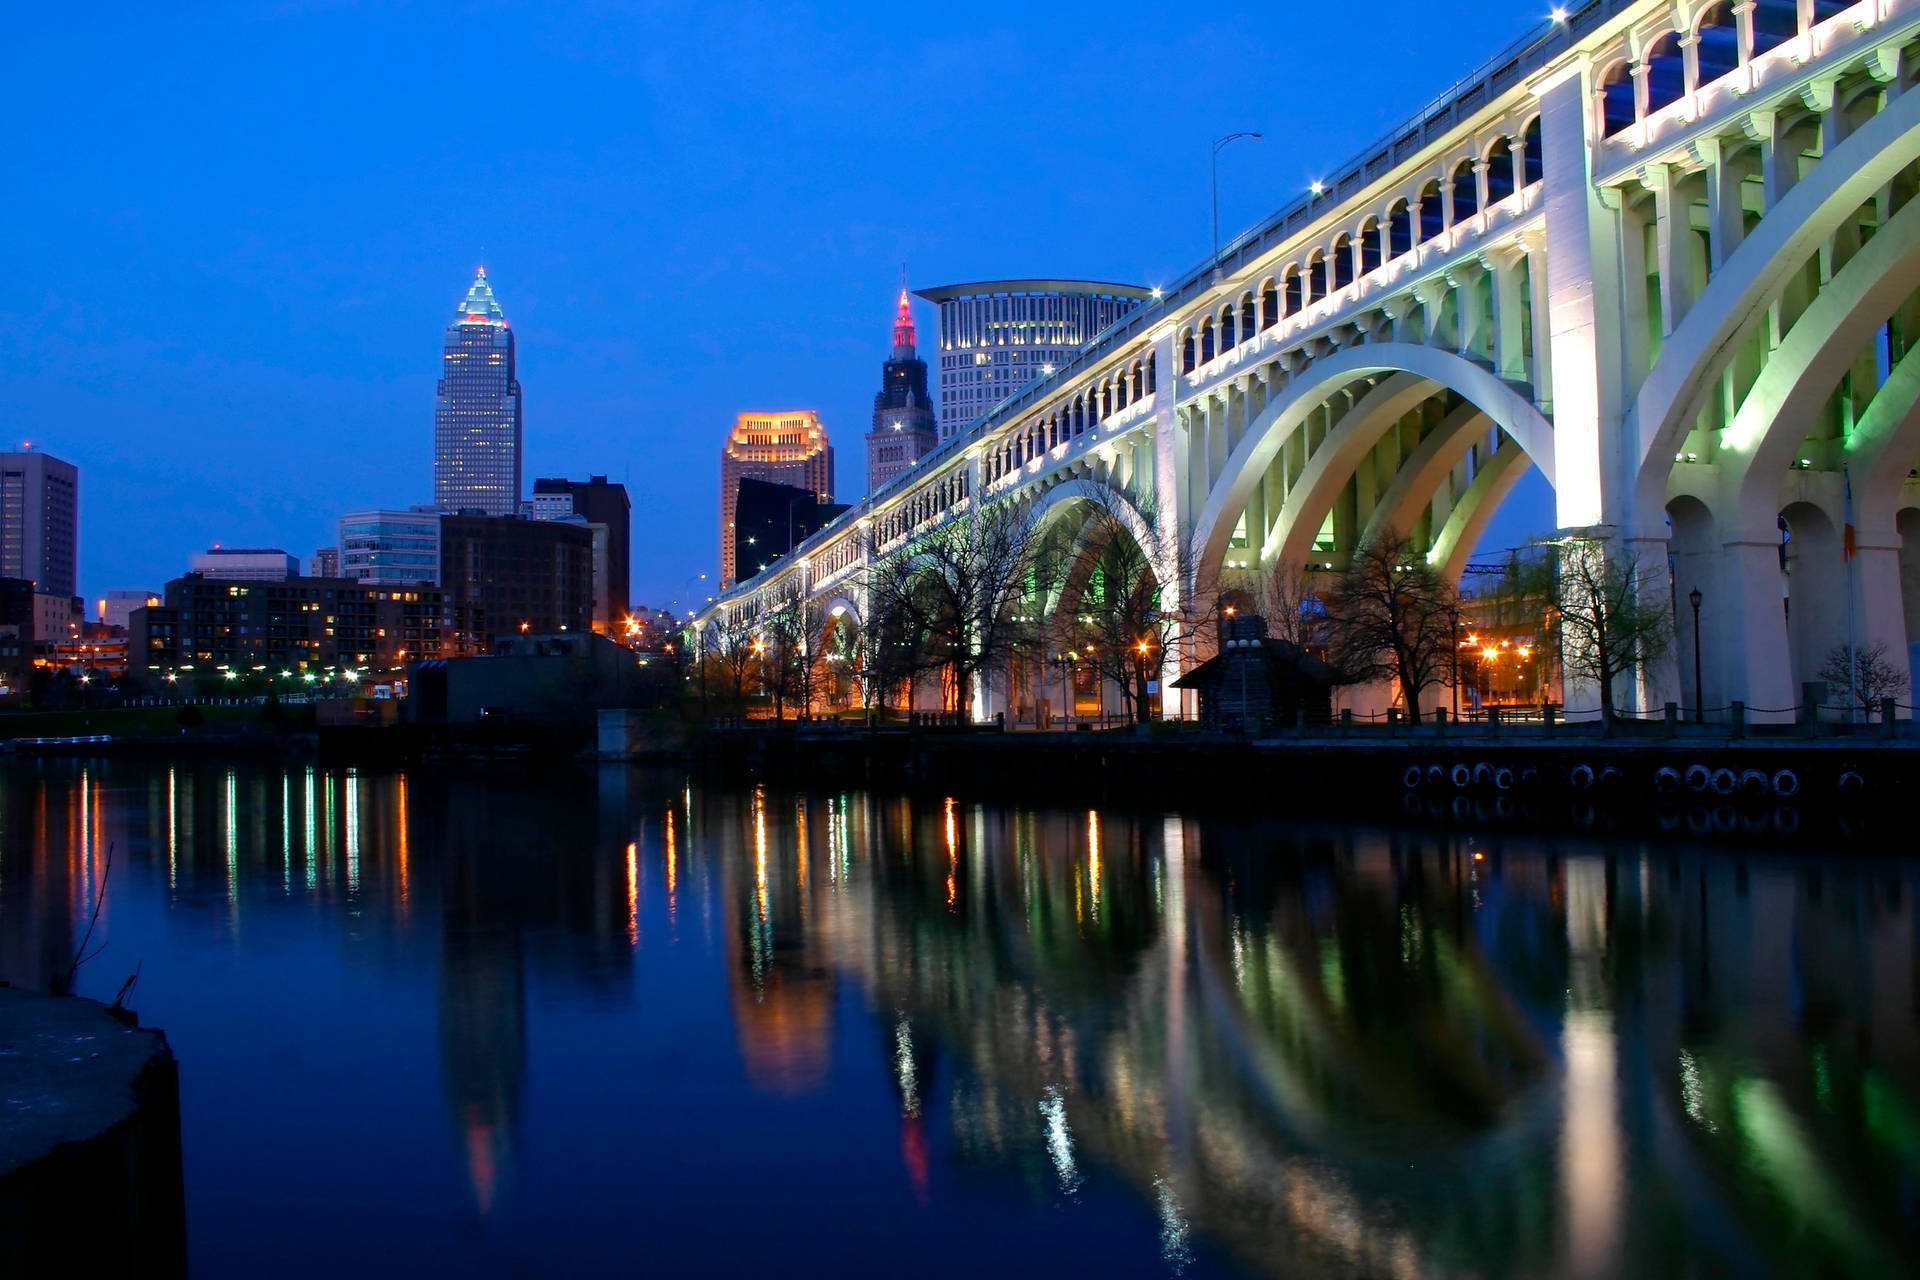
(1491, 484)
(1424, 469)
(1801, 373)
(848, 606)
(1736, 298)
(1413, 373)
(1886, 439)
(1058, 503)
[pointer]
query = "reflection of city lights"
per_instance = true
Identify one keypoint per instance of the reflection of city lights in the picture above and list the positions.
(633, 893)
(1053, 1110)
(1093, 861)
(672, 874)
(904, 1073)
(1174, 1227)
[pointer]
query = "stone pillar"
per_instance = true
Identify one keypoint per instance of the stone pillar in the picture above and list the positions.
(1509, 314)
(1582, 288)
(1879, 603)
(1170, 504)
(1672, 225)
(1751, 644)
(1726, 221)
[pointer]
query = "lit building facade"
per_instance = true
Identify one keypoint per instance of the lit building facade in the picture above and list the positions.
(209, 624)
(390, 547)
(245, 564)
(1000, 335)
(40, 520)
(903, 419)
(476, 418)
(789, 447)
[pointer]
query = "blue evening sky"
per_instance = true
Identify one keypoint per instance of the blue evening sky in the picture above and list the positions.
(235, 232)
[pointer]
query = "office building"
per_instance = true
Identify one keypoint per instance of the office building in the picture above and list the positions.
(389, 548)
(516, 575)
(40, 520)
(787, 448)
(998, 336)
(245, 564)
(115, 608)
(324, 563)
(770, 520)
(293, 624)
(598, 502)
(904, 429)
(476, 418)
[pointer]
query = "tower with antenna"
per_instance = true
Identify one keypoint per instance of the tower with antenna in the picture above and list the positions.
(903, 429)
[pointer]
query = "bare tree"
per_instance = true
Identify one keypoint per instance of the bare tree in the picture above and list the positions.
(1607, 623)
(728, 651)
(1286, 599)
(892, 643)
(786, 658)
(1869, 673)
(1390, 615)
(951, 592)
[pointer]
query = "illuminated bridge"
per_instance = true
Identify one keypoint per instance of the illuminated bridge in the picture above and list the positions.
(1667, 254)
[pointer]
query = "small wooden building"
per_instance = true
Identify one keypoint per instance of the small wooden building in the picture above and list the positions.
(1257, 683)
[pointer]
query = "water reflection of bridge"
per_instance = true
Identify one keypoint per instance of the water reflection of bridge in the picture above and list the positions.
(1327, 1050)
(1355, 1051)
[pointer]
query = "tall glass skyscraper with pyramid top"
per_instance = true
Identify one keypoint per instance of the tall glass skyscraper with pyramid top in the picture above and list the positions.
(476, 418)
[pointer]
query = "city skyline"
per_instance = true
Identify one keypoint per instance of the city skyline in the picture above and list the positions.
(286, 377)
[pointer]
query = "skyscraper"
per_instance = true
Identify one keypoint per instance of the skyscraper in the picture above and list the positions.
(997, 337)
(788, 447)
(476, 418)
(39, 521)
(903, 423)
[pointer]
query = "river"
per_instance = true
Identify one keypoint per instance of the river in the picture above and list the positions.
(609, 1022)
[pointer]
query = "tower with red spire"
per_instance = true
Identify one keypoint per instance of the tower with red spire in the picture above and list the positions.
(903, 422)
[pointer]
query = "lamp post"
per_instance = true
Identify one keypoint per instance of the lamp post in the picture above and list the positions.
(1693, 598)
(1218, 144)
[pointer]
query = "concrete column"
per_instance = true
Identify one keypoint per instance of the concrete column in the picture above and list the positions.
(1470, 318)
(1726, 222)
(1879, 601)
(1509, 314)
(1540, 356)
(1672, 227)
(1752, 639)
(1582, 288)
(1779, 170)
(1658, 681)
(1170, 503)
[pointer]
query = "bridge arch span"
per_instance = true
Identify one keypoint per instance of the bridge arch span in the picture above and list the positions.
(1409, 374)
(1737, 296)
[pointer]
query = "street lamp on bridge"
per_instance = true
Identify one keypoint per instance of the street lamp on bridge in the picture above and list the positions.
(1218, 144)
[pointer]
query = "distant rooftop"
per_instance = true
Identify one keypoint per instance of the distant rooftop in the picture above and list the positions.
(993, 288)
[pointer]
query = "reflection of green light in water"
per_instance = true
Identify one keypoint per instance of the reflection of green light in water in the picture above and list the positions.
(1889, 1116)
(1780, 1153)
(1822, 1078)
(1332, 978)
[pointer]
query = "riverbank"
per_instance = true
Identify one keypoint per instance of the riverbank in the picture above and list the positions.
(1776, 786)
(90, 1174)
